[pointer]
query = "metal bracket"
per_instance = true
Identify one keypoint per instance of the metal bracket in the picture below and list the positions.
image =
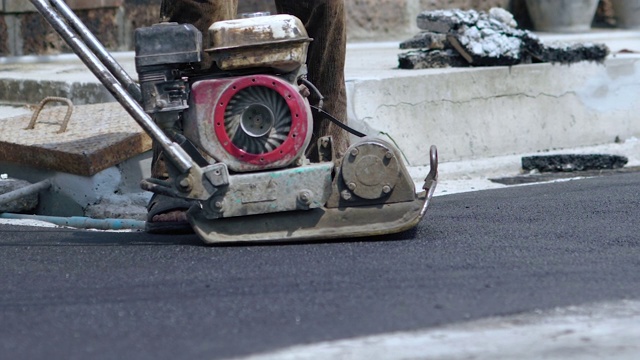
(217, 174)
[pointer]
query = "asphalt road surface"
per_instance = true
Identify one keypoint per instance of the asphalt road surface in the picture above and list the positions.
(93, 295)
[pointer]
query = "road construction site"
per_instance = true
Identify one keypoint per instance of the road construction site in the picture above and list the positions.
(482, 119)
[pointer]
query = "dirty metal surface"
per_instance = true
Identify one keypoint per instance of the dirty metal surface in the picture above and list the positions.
(97, 137)
(319, 223)
(301, 188)
(278, 41)
(314, 224)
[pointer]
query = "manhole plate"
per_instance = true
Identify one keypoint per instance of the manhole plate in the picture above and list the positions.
(97, 137)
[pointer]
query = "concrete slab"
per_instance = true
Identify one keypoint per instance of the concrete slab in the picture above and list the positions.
(79, 140)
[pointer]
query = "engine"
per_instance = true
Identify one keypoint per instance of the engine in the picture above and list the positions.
(242, 107)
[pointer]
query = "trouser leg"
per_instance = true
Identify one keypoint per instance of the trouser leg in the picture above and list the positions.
(200, 13)
(325, 22)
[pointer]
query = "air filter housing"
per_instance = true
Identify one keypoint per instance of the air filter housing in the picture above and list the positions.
(278, 42)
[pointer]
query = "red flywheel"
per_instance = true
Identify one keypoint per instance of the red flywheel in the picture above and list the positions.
(261, 120)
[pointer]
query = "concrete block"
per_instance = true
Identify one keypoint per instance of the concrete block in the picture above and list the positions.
(471, 113)
(109, 192)
(23, 204)
(129, 206)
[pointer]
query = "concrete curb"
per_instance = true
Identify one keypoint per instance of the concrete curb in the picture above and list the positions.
(477, 113)
(595, 331)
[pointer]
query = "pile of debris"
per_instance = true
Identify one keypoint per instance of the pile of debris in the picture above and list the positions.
(457, 38)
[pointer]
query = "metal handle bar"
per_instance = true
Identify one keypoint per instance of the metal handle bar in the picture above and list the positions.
(96, 47)
(57, 18)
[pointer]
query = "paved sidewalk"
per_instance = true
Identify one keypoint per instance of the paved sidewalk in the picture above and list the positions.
(595, 331)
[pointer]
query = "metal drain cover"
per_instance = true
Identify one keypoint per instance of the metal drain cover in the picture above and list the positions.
(97, 137)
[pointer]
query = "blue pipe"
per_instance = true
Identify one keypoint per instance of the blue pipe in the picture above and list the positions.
(81, 222)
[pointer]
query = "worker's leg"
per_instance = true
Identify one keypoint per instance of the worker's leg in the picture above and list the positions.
(201, 13)
(167, 214)
(326, 24)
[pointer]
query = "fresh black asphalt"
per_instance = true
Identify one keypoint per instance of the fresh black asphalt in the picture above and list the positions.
(93, 295)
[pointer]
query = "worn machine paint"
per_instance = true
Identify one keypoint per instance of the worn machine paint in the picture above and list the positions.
(234, 122)
(278, 41)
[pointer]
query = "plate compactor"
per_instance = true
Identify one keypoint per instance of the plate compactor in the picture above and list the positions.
(234, 122)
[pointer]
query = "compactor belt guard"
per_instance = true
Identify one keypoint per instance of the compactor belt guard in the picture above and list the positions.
(236, 135)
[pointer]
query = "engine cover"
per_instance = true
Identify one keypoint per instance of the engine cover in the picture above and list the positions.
(250, 123)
